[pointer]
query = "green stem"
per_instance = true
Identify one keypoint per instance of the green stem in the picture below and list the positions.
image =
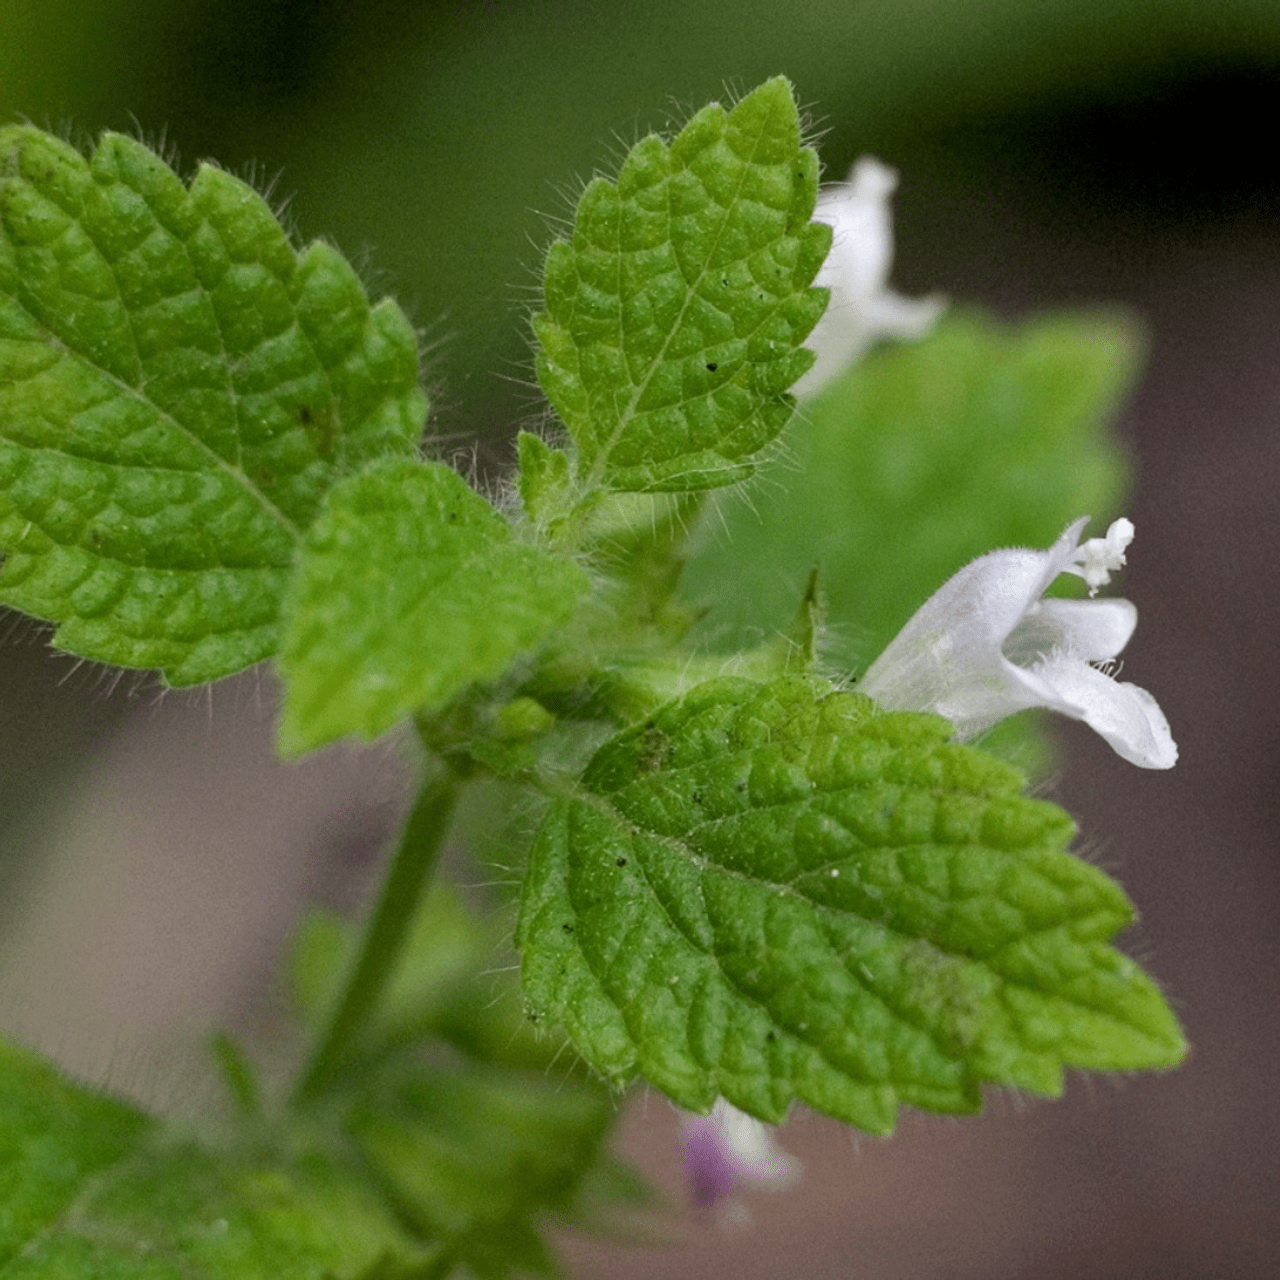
(385, 933)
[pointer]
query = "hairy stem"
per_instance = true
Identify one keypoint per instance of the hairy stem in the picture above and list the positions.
(385, 933)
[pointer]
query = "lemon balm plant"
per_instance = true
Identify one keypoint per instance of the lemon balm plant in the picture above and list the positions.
(750, 881)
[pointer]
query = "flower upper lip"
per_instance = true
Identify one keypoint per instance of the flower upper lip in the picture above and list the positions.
(986, 645)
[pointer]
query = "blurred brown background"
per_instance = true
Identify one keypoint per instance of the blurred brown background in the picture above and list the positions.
(154, 855)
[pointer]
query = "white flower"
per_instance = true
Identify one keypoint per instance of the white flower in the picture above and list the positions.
(985, 645)
(728, 1149)
(856, 271)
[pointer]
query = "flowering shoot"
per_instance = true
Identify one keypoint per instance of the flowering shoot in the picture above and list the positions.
(986, 645)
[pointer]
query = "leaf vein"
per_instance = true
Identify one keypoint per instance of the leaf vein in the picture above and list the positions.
(679, 849)
(595, 475)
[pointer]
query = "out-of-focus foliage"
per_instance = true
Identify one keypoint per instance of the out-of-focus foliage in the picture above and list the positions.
(369, 113)
(915, 462)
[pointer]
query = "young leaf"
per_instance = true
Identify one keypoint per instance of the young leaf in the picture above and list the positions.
(544, 478)
(409, 588)
(675, 313)
(91, 1188)
(178, 389)
(918, 460)
(776, 891)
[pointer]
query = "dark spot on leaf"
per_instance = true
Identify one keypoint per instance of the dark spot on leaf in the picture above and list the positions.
(711, 368)
(319, 422)
(697, 797)
(771, 1036)
(95, 537)
(622, 862)
(653, 749)
(724, 284)
(265, 477)
(568, 928)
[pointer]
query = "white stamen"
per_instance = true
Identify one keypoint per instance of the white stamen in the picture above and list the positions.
(1098, 558)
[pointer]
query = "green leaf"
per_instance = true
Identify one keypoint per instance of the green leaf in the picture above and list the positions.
(452, 983)
(918, 460)
(476, 1158)
(409, 588)
(674, 315)
(776, 891)
(470, 1156)
(90, 1187)
(544, 478)
(178, 389)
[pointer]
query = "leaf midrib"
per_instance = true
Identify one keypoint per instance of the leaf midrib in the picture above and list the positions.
(677, 848)
(598, 467)
(81, 1195)
(136, 394)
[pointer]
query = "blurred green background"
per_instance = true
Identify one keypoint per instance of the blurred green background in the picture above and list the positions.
(1053, 152)
(432, 141)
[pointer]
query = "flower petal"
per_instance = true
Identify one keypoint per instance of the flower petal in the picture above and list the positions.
(890, 315)
(985, 645)
(857, 210)
(977, 705)
(861, 308)
(1128, 717)
(729, 1148)
(951, 649)
(714, 1173)
(1091, 629)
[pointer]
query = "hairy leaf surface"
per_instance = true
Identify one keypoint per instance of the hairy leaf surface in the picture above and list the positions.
(675, 313)
(178, 389)
(776, 891)
(409, 588)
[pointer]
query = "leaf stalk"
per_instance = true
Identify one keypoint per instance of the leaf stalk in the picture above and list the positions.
(384, 936)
